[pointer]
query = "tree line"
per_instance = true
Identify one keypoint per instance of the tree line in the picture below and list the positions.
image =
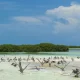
(42, 47)
(74, 46)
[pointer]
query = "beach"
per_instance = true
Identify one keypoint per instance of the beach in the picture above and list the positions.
(45, 72)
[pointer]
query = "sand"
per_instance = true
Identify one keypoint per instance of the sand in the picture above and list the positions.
(9, 72)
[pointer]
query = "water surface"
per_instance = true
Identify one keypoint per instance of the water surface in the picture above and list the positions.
(71, 52)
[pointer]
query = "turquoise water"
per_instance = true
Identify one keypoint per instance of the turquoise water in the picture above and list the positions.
(72, 52)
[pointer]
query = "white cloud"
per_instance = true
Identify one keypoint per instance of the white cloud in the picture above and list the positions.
(70, 13)
(39, 20)
(45, 19)
(65, 12)
(65, 28)
(27, 19)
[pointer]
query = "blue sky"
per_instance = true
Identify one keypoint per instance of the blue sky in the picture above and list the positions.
(37, 21)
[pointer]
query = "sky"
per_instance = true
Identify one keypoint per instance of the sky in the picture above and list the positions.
(40, 21)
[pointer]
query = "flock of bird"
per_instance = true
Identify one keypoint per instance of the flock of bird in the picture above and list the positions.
(58, 62)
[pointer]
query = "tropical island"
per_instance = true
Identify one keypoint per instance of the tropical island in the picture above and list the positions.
(42, 47)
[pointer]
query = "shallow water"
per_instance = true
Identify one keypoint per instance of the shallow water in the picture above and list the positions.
(71, 52)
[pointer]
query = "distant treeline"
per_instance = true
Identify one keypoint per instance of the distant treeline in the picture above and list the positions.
(74, 46)
(42, 47)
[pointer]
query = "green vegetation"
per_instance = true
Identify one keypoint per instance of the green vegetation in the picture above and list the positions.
(42, 47)
(74, 46)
